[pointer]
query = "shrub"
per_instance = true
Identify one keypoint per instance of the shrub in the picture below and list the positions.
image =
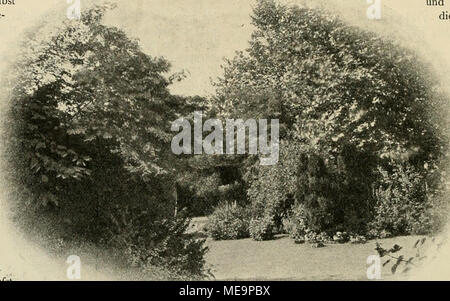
(262, 229)
(295, 224)
(314, 237)
(200, 192)
(147, 242)
(315, 192)
(401, 205)
(358, 239)
(272, 188)
(229, 222)
(440, 207)
(335, 191)
(341, 237)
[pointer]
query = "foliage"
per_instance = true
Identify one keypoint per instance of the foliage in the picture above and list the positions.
(86, 90)
(90, 84)
(295, 224)
(202, 190)
(341, 237)
(199, 192)
(401, 205)
(349, 102)
(358, 239)
(229, 222)
(272, 188)
(89, 129)
(331, 84)
(333, 196)
(262, 228)
(204, 181)
(314, 237)
(333, 192)
(147, 242)
(316, 193)
(402, 261)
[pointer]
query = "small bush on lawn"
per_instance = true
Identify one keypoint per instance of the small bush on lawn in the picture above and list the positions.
(401, 206)
(358, 239)
(295, 224)
(313, 237)
(341, 237)
(229, 222)
(262, 228)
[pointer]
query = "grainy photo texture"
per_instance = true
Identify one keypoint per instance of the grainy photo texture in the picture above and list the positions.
(224, 140)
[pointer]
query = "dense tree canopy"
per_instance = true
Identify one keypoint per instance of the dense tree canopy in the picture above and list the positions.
(331, 84)
(90, 142)
(90, 86)
(349, 101)
(95, 83)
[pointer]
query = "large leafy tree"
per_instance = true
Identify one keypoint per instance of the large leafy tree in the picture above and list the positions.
(350, 99)
(90, 89)
(331, 84)
(90, 140)
(87, 83)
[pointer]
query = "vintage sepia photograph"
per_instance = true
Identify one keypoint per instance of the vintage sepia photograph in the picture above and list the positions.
(224, 140)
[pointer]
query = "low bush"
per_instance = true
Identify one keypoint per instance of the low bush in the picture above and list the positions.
(314, 237)
(402, 207)
(147, 243)
(341, 237)
(358, 239)
(271, 189)
(295, 223)
(262, 229)
(229, 222)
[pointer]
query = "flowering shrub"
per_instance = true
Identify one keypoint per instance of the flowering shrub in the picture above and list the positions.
(262, 229)
(313, 237)
(229, 222)
(341, 237)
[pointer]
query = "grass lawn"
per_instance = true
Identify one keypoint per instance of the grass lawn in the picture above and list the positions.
(282, 259)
